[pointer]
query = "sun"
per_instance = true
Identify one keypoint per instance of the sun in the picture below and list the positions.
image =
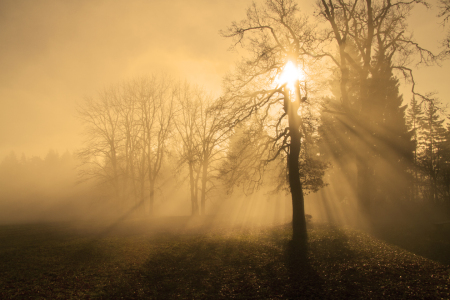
(290, 75)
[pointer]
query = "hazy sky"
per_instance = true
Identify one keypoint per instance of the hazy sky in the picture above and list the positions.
(55, 52)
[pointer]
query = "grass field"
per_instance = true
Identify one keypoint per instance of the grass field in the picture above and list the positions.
(174, 259)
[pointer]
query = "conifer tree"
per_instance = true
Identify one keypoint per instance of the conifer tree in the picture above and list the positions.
(414, 119)
(377, 28)
(380, 142)
(390, 138)
(432, 156)
(445, 169)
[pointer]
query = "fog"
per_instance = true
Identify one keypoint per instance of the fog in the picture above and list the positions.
(50, 190)
(200, 149)
(56, 54)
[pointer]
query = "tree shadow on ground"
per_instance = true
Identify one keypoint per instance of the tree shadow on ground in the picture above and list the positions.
(55, 262)
(303, 280)
(222, 268)
(333, 258)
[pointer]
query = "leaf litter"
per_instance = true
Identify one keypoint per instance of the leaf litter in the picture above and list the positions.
(59, 262)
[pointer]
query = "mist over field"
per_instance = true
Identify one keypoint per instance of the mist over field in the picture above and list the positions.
(50, 190)
(224, 149)
(109, 111)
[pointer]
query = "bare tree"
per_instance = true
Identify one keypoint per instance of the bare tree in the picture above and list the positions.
(128, 129)
(444, 13)
(213, 137)
(202, 136)
(102, 146)
(278, 40)
(157, 118)
(186, 126)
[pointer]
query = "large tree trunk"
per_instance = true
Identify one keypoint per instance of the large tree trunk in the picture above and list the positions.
(299, 234)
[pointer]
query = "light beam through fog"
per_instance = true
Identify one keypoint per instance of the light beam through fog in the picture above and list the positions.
(84, 124)
(224, 149)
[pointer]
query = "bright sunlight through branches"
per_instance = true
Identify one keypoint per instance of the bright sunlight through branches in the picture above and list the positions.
(290, 75)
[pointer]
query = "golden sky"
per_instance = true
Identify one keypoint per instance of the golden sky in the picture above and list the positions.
(55, 52)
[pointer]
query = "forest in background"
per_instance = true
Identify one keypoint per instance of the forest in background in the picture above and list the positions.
(154, 138)
(39, 189)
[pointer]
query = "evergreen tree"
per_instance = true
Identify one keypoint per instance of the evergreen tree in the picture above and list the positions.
(390, 138)
(414, 120)
(431, 157)
(338, 131)
(444, 181)
(379, 142)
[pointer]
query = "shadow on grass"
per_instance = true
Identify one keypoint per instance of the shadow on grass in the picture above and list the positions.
(304, 282)
(54, 262)
(220, 267)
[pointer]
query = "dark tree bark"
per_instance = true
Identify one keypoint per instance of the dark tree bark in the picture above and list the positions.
(277, 36)
(299, 234)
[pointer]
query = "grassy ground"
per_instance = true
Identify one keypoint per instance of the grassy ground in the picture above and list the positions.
(171, 260)
(421, 237)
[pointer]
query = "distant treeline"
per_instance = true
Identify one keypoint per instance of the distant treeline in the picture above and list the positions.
(44, 189)
(23, 178)
(301, 100)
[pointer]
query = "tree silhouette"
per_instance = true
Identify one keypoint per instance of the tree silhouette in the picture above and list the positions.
(187, 99)
(279, 114)
(414, 116)
(431, 158)
(444, 13)
(127, 129)
(378, 32)
(431, 171)
(393, 148)
(201, 138)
